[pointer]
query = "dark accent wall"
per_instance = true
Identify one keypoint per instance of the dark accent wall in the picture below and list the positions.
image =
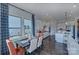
(0, 28)
(4, 27)
(33, 22)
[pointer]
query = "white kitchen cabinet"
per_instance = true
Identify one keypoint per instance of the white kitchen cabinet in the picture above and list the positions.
(59, 37)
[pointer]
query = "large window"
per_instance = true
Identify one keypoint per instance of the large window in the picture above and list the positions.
(28, 27)
(14, 26)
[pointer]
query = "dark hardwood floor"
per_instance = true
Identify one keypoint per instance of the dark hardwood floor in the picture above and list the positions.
(51, 47)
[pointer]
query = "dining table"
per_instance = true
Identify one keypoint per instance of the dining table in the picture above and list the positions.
(24, 43)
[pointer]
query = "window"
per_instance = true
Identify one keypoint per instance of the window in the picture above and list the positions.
(14, 26)
(27, 27)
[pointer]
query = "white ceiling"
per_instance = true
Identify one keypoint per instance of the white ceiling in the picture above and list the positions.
(51, 10)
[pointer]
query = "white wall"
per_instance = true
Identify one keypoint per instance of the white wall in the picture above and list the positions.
(39, 23)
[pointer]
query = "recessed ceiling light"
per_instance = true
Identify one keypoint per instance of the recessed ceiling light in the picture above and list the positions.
(74, 6)
(66, 23)
(70, 15)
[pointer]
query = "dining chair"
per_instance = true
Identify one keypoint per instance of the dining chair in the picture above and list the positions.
(40, 44)
(13, 50)
(40, 40)
(33, 45)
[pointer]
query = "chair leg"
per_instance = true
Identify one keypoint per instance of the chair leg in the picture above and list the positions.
(39, 49)
(28, 53)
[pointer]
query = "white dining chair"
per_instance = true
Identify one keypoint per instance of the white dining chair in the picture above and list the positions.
(40, 40)
(33, 45)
